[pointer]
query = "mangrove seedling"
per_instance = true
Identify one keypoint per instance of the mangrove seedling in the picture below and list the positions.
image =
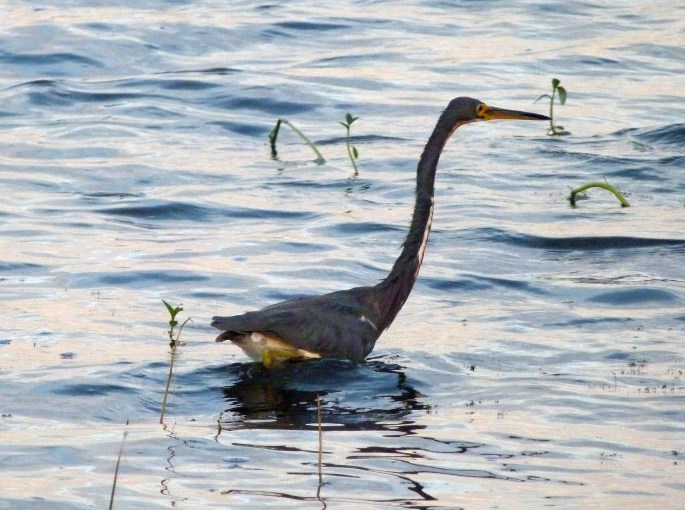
(352, 151)
(273, 135)
(619, 196)
(560, 92)
(173, 312)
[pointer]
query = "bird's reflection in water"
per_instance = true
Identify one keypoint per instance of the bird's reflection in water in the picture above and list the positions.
(371, 396)
(368, 396)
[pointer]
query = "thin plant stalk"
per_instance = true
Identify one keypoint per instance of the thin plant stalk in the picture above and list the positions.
(352, 151)
(273, 135)
(560, 92)
(619, 196)
(116, 470)
(320, 459)
(171, 370)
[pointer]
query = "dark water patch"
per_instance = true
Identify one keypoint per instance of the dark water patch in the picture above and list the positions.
(134, 279)
(333, 184)
(301, 247)
(670, 53)
(170, 84)
(594, 243)
(174, 211)
(242, 128)
(309, 26)
(90, 390)
(361, 58)
(618, 355)
(21, 267)
(167, 211)
(356, 139)
(219, 71)
(61, 93)
(363, 227)
(56, 59)
(98, 195)
(267, 104)
(672, 135)
(636, 297)
(78, 96)
(508, 283)
(593, 322)
(479, 283)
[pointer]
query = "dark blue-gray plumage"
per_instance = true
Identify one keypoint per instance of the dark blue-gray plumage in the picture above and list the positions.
(346, 324)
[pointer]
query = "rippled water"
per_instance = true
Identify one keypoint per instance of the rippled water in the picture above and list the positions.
(539, 361)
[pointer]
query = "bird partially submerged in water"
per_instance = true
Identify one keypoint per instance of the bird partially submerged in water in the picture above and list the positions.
(346, 324)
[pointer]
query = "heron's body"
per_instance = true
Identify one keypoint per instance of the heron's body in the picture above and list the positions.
(346, 324)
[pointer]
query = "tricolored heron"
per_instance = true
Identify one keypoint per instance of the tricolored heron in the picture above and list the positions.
(346, 324)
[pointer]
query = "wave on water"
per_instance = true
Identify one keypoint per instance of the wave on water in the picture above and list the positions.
(581, 243)
(670, 135)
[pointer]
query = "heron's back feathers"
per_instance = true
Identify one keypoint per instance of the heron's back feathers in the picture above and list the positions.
(337, 325)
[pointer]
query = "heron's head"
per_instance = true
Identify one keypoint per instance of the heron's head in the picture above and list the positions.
(462, 110)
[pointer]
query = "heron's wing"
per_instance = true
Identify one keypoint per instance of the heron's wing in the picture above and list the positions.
(333, 325)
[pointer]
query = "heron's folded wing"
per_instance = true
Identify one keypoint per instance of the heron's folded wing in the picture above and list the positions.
(332, 325)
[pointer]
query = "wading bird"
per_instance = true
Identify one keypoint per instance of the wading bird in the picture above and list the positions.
(346, 324)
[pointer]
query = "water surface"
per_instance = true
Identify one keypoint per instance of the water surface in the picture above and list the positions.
(539, 360)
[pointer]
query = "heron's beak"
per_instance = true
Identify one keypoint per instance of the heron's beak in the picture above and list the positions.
(492, 113)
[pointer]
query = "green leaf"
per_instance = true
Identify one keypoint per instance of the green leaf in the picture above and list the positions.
(169, 308)
(355, 152)
(555, 83)
(542, 96)
(562, 94)
(350, 119)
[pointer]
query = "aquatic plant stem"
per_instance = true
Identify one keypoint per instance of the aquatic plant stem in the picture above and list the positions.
(320, 459)
(352, 151)
(116, 469)
(273, 135)
(560, 92)
(174, 345)
(619, 196)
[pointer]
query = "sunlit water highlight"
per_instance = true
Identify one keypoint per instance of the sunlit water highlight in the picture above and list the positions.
(539, 360)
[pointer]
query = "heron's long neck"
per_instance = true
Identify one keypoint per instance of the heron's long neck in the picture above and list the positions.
(395, 288)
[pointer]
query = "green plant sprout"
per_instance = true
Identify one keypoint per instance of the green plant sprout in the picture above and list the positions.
(619, 196)
(173, 312)
(273, 135)
(352, 151)
(560, 92)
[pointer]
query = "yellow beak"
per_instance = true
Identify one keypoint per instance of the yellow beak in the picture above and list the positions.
(492, 113)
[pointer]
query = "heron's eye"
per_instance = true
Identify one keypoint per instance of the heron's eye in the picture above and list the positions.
(481, 109)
